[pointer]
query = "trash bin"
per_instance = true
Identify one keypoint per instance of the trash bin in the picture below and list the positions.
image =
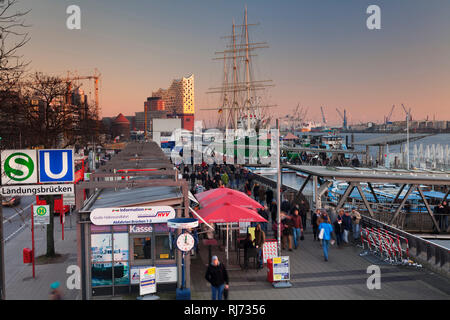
(27, 255)
(270, 270)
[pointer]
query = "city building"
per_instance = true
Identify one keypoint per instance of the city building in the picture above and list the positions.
(178, 101)
(121, 127)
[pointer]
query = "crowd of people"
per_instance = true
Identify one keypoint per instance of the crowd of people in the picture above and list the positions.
(328, 226)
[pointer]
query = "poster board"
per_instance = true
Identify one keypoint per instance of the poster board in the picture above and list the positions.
(281, 270)
(147, 281)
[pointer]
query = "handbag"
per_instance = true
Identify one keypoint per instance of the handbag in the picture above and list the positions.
(321, 233)
(225, 294)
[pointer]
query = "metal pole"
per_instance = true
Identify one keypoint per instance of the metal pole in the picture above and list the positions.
(407, 139)
(32, 239)
(278, 188)
(2, 256)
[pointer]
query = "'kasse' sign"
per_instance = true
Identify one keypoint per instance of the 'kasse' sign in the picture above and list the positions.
(131, 215)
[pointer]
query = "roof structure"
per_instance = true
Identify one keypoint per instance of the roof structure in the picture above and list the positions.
(109, 198)
(377, 174)
(121, 119)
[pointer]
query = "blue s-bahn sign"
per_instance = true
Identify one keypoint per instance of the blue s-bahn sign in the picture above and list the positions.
(56, 166)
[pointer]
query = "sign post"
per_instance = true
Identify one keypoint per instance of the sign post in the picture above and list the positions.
(32, 239)
(185, 242)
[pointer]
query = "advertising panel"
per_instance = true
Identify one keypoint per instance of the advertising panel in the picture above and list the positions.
(281, 269)
(132, 215)
(147, 281)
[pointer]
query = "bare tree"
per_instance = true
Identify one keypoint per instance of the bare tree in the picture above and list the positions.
(12, 38)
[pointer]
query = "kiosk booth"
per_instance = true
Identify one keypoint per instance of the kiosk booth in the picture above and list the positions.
(124, 231)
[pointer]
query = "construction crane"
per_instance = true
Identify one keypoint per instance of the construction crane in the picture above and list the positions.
(387, 119)
(95, 77)
(343, 117)
(323, 116)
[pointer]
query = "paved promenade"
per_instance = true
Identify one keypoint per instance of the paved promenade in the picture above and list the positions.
(342, 277)
(20, 284)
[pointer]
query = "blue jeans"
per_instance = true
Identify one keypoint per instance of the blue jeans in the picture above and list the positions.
(356, 231)
(325, 245)
(345, 235)
(217, 292)
(260, 257)
(296, 236)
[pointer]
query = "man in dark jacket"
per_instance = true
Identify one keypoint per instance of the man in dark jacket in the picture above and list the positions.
(303, 210)
(347, 224)
(217, 276)
(338, 227)
(256, 192)
(269, 195)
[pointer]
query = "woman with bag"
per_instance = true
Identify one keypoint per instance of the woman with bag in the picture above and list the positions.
(325, 231)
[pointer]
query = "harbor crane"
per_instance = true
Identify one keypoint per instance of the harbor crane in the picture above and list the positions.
(95, 77)
(323, 116)
(343, 117)
(387, 119)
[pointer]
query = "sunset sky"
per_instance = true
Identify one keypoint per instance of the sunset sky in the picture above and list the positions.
(321, 52)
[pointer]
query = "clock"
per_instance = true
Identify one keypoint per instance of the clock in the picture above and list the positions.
(185, 242)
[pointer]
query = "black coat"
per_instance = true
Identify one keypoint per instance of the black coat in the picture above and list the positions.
(216, 275)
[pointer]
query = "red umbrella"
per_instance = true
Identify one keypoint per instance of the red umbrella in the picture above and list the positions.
(227, 213)
(212, 193)
(230, 196)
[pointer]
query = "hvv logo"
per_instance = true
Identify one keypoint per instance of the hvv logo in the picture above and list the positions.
(56, 166)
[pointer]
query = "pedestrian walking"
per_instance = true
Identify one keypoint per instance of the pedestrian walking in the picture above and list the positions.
(325, 231)
(269, 195)
(303, 211)
(347, 225)
(256, 192)
(217, 276)
(262, 195)
(55, 293)
(247, 244)
(339, 228)
(225, 179)
(260, 238)
(314, 224)
(356, 218)
(297, 228)
(286, 233)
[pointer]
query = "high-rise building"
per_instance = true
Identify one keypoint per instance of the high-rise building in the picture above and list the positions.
(178, 100)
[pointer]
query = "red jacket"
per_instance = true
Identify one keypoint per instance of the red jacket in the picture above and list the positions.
(297, 221)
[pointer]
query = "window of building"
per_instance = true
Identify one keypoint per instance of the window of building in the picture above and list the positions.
(142, 248)
(163, 248)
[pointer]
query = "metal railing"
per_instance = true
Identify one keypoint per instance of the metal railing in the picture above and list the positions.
(431, 255)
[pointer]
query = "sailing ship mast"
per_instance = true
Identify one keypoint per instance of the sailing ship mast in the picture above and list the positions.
(242, 107)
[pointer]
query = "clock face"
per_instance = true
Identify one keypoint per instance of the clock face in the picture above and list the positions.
(185, 242)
